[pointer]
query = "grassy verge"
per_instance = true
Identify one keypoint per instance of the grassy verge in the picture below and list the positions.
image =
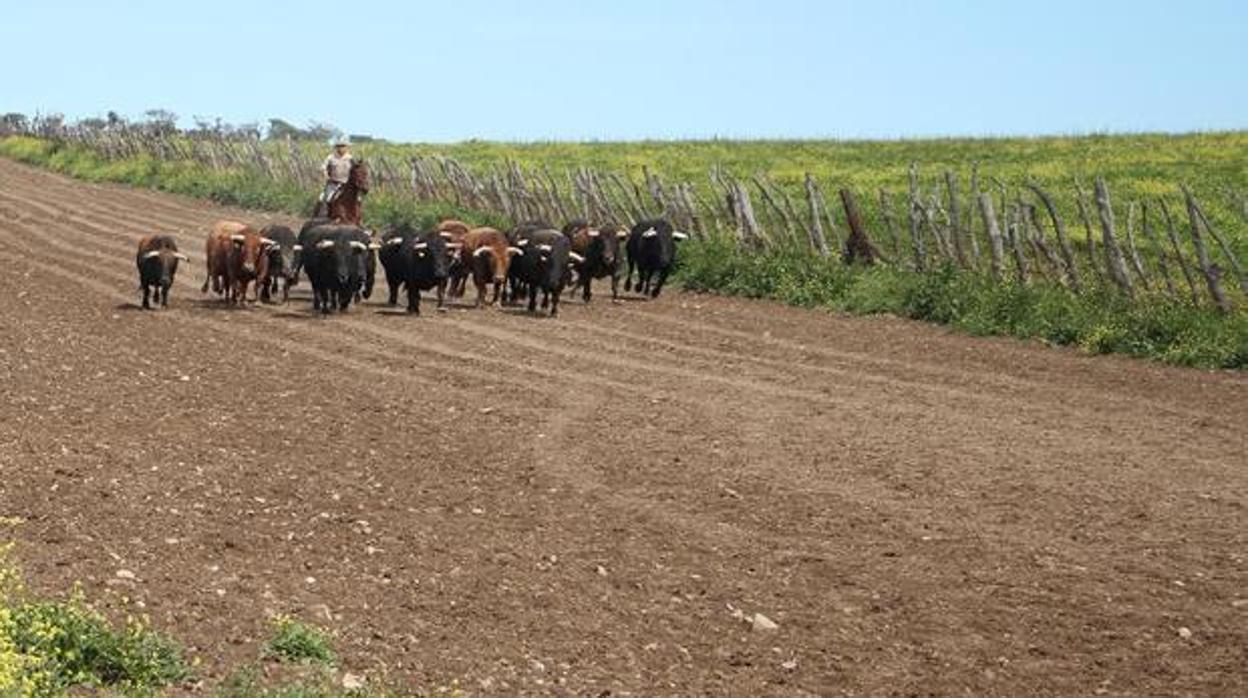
(1099, 323)
(1104, 322)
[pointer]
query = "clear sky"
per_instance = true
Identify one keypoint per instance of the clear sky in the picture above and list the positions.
(629, 69)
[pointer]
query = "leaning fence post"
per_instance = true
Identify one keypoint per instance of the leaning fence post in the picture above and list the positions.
(955, 221)
(1063, 241)
(1161, 250)
(1135, 252)
(1202, 255)
(1113, 253)
(858, 247)
(916, 234)
(1178, 252)
(817, 241)
(994, 234)
(1226, 249)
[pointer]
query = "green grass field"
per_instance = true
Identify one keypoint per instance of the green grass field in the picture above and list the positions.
(1214, 165)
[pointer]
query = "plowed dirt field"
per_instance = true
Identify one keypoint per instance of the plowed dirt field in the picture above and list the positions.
(600, 502)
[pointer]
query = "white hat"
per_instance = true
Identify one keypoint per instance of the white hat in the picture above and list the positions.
(341, 140)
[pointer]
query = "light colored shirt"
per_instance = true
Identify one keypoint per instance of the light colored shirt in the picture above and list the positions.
(337, 169)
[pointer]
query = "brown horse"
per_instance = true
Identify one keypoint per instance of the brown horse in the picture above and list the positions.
(347, 206)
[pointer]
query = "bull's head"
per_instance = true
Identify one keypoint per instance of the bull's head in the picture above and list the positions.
(167, 259)
(248, 248)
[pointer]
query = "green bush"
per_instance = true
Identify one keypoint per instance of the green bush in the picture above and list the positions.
(293, 641)
(49, 647)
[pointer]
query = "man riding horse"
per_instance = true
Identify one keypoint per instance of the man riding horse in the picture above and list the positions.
(346, 183)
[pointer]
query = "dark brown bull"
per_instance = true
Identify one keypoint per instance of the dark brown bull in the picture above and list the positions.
(236, 256)
(157, 260)
(487, 255)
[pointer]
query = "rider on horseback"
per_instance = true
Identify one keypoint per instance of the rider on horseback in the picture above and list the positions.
(337, 168)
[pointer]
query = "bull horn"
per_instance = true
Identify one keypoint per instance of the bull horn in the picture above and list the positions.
(621, 235)
(453, 246)
(153, 253)
(324, 244)
(267, 241)
(514, 251)
(544, 248)
(679, 235)
(595, 233)
(480, 251)
(650, 233)
(374, 246)
(420, 246)
(238, 237)
(394, 241)
(358, 245)
(179, 255)
(576, 257)
(298, 248)
(521, 243)
(446, 235)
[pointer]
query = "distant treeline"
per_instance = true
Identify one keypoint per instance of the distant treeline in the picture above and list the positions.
(165, 122)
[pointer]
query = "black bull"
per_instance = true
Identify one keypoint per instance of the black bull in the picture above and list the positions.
(339, 261)
(651, 249)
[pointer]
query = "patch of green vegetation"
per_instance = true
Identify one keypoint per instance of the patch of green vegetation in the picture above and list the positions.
(292, 640)
(1097, 322)
(48, 647)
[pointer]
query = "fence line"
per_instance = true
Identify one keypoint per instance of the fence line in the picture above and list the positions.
(939, 221)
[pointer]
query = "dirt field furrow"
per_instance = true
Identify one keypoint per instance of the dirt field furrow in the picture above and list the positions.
(601, 501)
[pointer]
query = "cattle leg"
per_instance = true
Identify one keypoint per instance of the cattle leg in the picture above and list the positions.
(164, 296)
(615, 286)
(413, 300)
(393, 300)
(658, 285)
(545, 299)
(628, 280)
(588, 293)
(286, 290)
(204, 288)
(532, 298)
(441, 291)
(554, 303)
(146, 292)
(480, 292)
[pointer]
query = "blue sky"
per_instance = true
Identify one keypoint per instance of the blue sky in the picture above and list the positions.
(630, 69)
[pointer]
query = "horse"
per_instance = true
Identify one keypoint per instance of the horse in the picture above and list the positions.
(347, 206)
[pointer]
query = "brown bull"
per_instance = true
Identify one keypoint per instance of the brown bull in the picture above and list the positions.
(236, 256)
(486, 255)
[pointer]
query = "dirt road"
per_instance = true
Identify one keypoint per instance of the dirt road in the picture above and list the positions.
(580, 505)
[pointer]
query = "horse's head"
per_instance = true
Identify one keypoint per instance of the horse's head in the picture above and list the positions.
(358, 177)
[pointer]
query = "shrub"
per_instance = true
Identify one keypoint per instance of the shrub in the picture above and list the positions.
(293, 641)
(48, 647)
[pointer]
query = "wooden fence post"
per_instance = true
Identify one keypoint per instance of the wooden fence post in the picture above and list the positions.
(994, 234)
(1113, 254)
(1202, 256)
(1063, 241)
(1178, 252)
(858, 247)
(817, 240)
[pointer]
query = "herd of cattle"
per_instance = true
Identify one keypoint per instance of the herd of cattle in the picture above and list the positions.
(340, 261)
